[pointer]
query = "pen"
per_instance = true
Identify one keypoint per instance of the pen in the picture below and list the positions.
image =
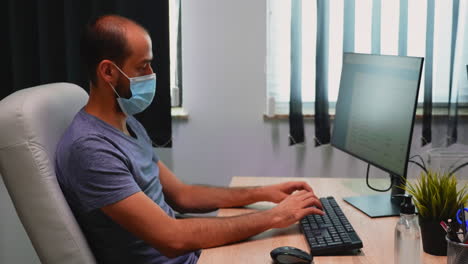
(451, 232)
(444, 225)
(463, 224)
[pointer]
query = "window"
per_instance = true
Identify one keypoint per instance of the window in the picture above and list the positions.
(278, 44)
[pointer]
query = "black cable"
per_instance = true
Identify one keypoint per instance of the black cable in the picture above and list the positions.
(422, 165)
(375, 189)
(419, 164)
(422, 161)
(457, 168)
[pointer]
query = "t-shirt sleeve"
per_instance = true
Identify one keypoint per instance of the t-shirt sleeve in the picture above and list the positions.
(155, 156)
(100, 173)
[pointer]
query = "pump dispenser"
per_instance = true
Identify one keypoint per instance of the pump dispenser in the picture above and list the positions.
(407, 206)
(407, 234)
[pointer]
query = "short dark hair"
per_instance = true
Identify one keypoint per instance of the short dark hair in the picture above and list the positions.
(104, 38)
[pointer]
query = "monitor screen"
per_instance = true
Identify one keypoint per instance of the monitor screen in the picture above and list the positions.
(376, 107)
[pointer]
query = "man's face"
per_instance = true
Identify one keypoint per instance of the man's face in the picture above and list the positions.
(139, 61)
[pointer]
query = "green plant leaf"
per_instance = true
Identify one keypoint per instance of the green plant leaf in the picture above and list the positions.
(436, 196)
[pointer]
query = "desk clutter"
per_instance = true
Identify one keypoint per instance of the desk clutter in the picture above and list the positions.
(457, 237)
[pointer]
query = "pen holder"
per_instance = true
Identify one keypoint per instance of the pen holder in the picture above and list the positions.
(457, 253)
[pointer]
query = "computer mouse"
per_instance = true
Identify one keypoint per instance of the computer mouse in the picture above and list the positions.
(290, 255)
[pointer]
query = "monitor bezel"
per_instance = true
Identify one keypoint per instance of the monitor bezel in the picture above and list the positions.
(410, 138)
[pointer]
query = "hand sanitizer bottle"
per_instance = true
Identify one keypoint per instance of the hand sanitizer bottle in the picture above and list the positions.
(407, 235)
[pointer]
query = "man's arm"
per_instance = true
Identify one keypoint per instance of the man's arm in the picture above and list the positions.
(197, 199)
(172, 237)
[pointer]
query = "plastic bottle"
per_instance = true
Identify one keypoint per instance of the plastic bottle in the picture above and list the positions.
(407, 235)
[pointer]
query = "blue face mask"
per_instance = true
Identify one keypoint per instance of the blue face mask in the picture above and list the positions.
(143, 89)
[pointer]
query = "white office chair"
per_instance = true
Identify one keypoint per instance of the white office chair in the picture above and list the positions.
(31, 123)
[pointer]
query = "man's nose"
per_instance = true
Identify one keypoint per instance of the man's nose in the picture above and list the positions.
(150, 69)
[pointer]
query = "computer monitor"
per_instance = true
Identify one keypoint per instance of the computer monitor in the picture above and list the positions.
(374, 119)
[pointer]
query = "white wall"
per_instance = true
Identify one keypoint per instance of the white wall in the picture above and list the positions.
(224, 47)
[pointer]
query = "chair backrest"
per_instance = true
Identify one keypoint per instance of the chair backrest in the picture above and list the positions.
(31, 123)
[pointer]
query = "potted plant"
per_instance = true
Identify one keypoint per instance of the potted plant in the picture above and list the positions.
(437, 199)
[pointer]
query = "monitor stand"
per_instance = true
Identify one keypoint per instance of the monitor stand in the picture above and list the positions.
(381, 205)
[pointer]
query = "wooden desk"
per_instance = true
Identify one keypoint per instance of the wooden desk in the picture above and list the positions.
(377, 235)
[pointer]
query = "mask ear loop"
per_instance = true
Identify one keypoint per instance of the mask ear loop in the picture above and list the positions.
(120, 70)
(123, 74)
(114, 90)
(126, 76)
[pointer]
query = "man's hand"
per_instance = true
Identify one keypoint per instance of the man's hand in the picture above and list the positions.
(278, 192)
(294, 208)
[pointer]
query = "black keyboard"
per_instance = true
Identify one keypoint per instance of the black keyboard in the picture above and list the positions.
(331, 233)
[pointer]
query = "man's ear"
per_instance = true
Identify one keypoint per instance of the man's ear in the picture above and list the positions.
(107, 72)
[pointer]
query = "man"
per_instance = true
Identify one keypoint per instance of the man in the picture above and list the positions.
(122, 195)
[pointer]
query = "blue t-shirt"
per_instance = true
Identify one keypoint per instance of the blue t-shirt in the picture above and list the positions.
(97, 165)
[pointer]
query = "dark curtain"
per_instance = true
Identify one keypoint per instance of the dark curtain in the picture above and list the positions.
(349, 21)
(376, 26)
(427, 105)
(452, 132)
(403, 29)
(322, 118)
(41, 45)
(296, 120)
